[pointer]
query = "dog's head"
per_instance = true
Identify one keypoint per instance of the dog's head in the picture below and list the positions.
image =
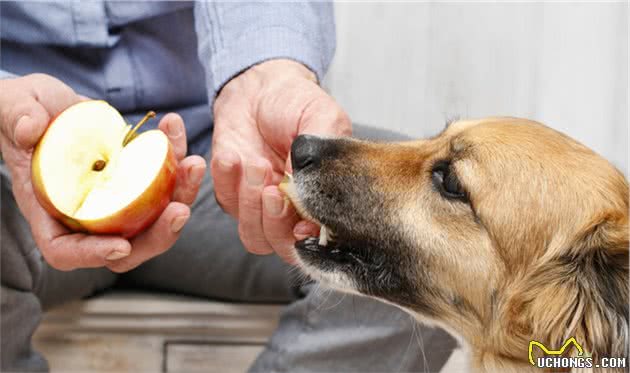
(501, 229)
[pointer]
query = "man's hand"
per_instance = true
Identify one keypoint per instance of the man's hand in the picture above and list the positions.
(257, 116)
(27, 105)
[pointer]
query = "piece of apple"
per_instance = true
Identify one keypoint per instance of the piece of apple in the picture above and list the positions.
(92, 172)
(288, 187)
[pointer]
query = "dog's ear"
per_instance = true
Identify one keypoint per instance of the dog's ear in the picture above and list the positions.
(582, 292)
(600, 259)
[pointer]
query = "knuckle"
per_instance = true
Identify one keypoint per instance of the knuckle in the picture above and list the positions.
(226, 203)
(254, 245)
(37, 77)
(251, 205)
(39, 80)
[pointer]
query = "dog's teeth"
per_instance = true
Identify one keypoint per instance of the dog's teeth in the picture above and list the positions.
(323, 236)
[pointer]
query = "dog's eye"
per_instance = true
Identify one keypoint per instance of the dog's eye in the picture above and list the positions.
(446, 181)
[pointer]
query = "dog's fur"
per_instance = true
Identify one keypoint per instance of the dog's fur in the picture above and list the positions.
(532, 246)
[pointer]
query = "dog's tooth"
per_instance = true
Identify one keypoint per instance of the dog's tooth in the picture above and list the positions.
(323, 236)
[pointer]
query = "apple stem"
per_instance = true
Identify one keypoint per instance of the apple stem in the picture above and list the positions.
(132, 134)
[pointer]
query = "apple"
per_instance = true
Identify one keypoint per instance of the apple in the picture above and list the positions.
(289, 188)
(91, 171)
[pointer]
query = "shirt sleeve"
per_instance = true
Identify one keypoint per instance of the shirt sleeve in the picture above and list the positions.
(6, 75)
(232, 36)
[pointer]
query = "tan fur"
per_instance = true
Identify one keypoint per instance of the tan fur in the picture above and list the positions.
(523, 258)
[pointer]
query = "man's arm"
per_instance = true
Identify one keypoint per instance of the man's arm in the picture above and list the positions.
(233, 36)
(263, 62)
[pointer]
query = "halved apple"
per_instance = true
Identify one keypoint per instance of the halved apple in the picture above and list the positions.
(93, 173)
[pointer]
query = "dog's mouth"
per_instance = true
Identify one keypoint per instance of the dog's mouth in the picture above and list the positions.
(335, 245)
(289, 188)
(367, 258)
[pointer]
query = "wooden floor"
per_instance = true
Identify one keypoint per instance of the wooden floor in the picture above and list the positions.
(137, 332)
(147, 333)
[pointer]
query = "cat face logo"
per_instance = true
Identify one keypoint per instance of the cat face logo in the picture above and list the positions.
(567, 343)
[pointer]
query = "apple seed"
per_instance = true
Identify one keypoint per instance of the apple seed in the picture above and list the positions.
(99, 165)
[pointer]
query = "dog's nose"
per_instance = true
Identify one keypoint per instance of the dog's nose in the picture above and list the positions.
(305, 151)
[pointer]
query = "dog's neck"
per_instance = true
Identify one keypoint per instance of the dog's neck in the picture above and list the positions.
(499, 340)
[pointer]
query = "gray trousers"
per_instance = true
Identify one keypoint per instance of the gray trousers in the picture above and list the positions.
(318, 331)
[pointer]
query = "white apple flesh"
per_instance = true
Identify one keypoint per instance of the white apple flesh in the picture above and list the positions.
(88, 174)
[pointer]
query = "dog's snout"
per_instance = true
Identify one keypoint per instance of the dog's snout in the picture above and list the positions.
(306, 151)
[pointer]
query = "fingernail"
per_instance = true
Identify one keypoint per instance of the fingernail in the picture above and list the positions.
(174, 128)
(273, 204)
(196, 173)
(115, 255)
(178, 223)
(255, 175)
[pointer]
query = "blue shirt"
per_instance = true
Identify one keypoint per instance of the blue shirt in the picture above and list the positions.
(157, 55)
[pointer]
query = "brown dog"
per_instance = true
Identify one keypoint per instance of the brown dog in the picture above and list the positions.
(500, 230)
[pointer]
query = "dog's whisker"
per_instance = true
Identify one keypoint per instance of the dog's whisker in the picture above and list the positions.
(420, 341)
(403, 358)
(343, 296)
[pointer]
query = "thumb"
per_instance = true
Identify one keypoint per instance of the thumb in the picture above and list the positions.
(30, 124)
(325, 117)
(27, 105)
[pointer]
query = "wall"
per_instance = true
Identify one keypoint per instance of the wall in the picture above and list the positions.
(411, 66)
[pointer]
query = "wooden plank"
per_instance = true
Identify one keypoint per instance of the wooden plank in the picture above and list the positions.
(133, 332)
(89, 352)
(165, 315)
(220, 358)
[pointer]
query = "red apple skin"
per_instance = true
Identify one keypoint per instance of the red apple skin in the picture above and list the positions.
(131, 220)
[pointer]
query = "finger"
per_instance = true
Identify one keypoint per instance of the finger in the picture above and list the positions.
(156, 240)
(79, 250)
(53, 94)
(28, 104)
(25, 122)
(304, 229)
(173, 126)
(279, 218)
(325, 117)
(190, 172)
(63, 249)
(225, 169)
(250, 208)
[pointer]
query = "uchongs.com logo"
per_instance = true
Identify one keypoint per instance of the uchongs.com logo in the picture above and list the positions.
(554, 359)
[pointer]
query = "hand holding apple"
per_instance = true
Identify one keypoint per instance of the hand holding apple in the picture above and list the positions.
(27, 105)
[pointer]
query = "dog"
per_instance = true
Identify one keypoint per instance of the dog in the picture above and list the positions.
(501, 230)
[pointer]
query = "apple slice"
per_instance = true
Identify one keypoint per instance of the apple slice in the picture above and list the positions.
(92, 172)
(289, 188)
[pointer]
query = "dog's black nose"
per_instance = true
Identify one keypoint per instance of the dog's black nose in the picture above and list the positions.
(306, 151)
